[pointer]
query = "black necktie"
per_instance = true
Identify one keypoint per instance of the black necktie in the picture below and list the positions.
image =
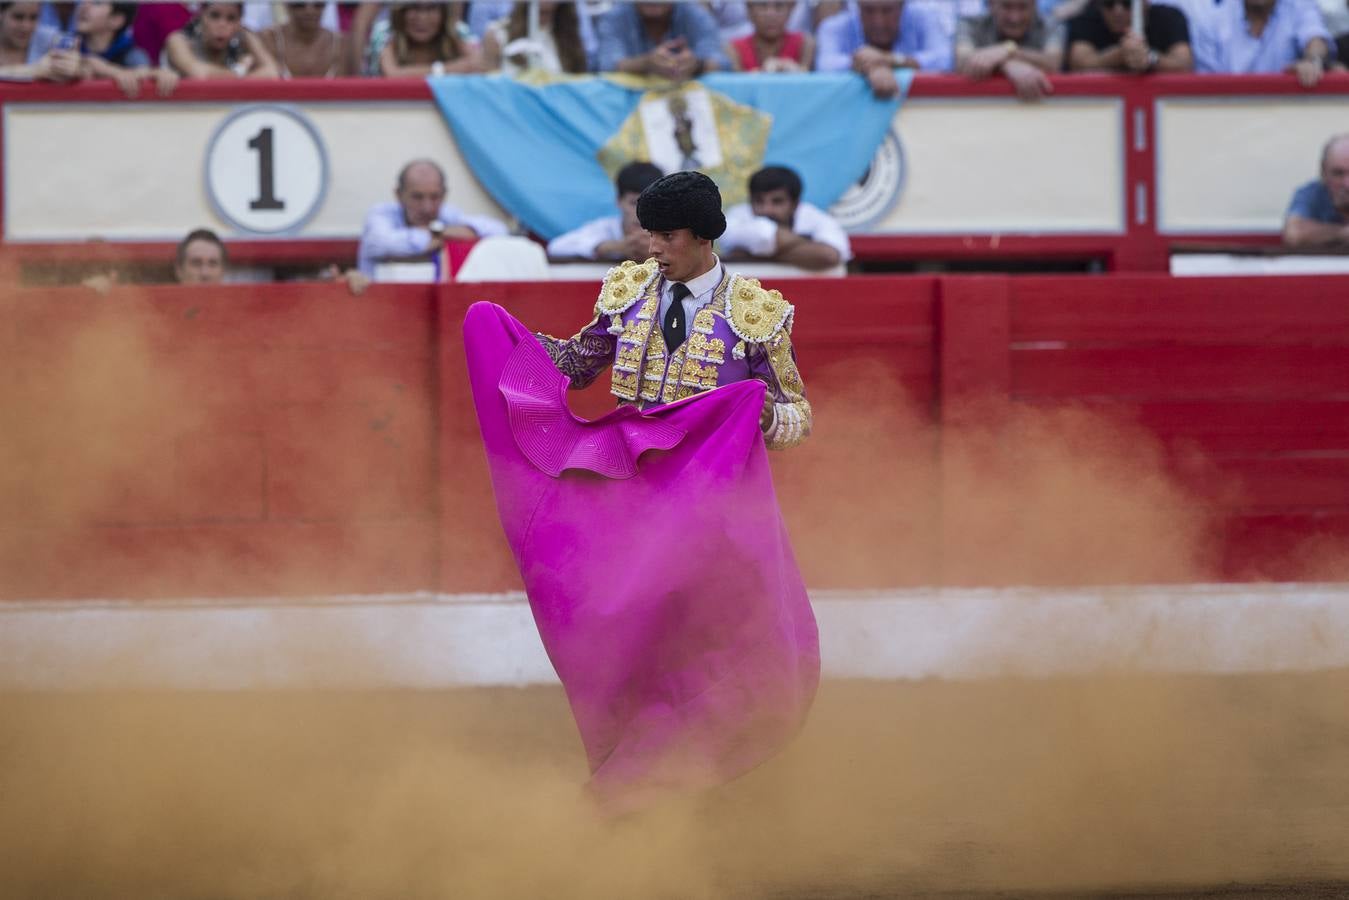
(675, 328)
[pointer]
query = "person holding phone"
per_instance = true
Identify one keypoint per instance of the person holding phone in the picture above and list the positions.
(30, 51)
(677, 41)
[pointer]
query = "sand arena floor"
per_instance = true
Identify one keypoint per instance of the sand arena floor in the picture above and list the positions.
(1194, 786)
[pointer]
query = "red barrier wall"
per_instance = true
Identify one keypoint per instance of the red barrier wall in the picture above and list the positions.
(286, 439)
(217, 441)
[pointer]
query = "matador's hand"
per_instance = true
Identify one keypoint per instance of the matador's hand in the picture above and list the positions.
(766, 415)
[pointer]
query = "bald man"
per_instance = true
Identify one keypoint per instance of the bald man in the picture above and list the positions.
(416, 226)
(1318, 216)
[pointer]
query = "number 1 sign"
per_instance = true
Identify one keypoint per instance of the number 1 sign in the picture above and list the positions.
(266, 170)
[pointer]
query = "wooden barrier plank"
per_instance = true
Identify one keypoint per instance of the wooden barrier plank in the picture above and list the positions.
(1302, 546)
(1256, 372)
(1155, 309)
(973, 337)
(1286, 482)
(1236, 425)
(218, 560)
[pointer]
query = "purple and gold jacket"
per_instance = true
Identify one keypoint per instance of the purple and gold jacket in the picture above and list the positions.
(743, 332)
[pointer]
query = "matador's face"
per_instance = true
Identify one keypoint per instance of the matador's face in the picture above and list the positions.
(682, 255)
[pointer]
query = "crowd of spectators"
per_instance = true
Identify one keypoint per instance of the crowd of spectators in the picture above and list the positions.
(1021, 40)
(776, 225)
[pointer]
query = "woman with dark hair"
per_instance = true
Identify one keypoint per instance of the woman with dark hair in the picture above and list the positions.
(771, 47)
(33, 52)
(215, 44)
(427, 39)
(302, 47)
(556, 49)
(109, 51)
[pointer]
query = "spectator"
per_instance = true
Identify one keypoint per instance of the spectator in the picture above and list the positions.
(771, 47)
(880, 36)
(301, 46)
(360, 35)
(60, 16)
(258, 17)
(425, 39)
(1243, 36)
(215, 44)
(677, 41)
(109, 51)
(776, 225)
(1100, 39)
(155, 22)
(416, 227)
(612, 237)
(29, 51)
(1014, 40)
(1318, 215)
(557, 48)
(482, 14)
(732, 16)
(201, 258)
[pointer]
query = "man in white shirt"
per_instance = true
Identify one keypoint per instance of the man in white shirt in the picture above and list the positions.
(417, 225)
(776, 225)
(617, 237)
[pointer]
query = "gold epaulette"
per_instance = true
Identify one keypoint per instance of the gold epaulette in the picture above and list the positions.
(756, 313)
(623, 285)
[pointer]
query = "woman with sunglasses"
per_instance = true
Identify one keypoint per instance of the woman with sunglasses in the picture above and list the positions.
(302, 47)
(1101, 39)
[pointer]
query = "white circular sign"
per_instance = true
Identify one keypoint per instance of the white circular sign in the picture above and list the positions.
(873, 196)
(266, 171)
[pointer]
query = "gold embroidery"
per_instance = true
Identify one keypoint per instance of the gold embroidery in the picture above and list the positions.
(675, 365)
(623, 285)
(756, 315)
(629, 358)
(780, 358)
(624, 385)
(635, 340)
(707, 349)
(698, 376)
(702, 320)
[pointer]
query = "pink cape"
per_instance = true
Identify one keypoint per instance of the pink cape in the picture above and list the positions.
(657, 567)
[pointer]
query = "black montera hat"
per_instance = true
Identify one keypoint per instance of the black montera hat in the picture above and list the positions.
(682, 200)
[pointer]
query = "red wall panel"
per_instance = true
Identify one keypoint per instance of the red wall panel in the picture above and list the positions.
(170, 442)
(291, 439)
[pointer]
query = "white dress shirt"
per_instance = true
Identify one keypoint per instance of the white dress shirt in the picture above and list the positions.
(581, 243)
(700, 293)
(759, 234)
(387, 234)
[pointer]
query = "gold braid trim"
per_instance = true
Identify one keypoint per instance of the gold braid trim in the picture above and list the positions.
(624, 285)
(756, 314)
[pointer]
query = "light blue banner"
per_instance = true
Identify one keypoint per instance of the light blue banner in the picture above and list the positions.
(533, 147)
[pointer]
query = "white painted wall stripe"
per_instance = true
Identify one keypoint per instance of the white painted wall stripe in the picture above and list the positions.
(425, 640)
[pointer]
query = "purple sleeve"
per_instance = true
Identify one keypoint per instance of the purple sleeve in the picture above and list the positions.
(774, 363)
(583, 357)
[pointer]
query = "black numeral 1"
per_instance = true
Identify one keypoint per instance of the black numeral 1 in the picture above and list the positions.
(262, 142)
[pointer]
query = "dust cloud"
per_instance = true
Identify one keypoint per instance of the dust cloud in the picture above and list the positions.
(1004, 786)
